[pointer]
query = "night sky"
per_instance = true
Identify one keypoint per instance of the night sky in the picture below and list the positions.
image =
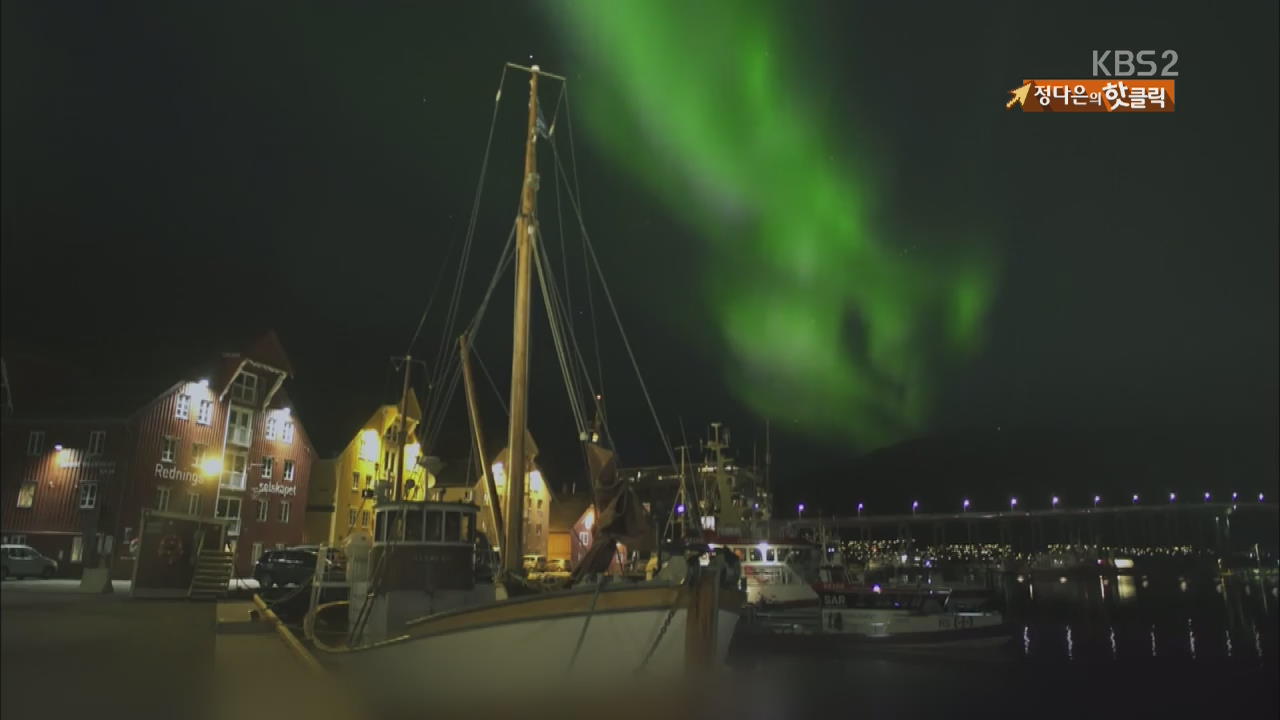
(1011, 302)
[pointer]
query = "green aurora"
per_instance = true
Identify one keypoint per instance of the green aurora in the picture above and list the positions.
(836, 327)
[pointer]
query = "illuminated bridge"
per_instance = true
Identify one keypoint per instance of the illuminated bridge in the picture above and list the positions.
(1202, 524)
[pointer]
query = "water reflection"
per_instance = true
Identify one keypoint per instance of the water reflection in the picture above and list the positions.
(1125, 589)
(1166, 616)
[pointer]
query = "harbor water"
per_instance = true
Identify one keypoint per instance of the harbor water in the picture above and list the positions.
(1080, 645)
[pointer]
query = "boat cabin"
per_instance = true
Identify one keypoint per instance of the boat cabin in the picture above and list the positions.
(427, 545)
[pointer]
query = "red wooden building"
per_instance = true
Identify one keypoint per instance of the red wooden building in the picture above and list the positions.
(83, 455)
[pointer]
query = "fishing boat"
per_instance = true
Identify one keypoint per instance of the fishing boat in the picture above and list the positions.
(428, 619)
(915, 614)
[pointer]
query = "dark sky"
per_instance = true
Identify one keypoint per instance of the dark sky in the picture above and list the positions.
(173, 174)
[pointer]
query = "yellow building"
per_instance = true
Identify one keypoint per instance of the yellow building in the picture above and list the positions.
(344, 488)
(537, 500)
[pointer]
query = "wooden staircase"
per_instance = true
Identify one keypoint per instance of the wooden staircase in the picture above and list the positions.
(213, 575)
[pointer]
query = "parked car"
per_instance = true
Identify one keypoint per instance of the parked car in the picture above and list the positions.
(19, 561)
(294, 566)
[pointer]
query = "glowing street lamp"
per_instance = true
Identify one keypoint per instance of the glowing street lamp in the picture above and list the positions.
(1261, 497)
(800, 510)
(1135, 498)
(1173, 497)
(1207, 496)
(1054, 502)
(1235, 496)
(680, 509)
(964, 506)
(211, 467)
(1097, 499)
(1013, 503)
(915, 505)
(859, 509)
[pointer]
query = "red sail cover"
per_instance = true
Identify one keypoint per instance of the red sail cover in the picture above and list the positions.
(620, 518)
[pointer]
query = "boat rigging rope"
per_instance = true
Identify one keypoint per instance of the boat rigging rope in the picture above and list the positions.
(452, 366)
(577, 193)
(447, 337)
(604, 285)
(582, 635)
(555, 322)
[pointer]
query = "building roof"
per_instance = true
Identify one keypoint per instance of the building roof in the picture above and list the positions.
(50, 384)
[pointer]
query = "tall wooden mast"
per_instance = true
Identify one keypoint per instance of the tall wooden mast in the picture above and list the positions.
(526, 229)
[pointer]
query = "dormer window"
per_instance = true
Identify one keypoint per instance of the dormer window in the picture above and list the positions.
(245, 388)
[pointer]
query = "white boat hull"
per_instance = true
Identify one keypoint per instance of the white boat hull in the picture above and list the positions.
(531, 644)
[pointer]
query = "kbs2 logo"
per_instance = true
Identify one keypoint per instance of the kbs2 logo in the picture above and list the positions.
(1125, 63)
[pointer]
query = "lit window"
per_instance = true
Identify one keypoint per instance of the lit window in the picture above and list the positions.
(205, 415)
(284, 511)
(288, 470)
(288, 432)
(168, 448)
(240, 427)
(77, 549)
(268, 466)
(355, 485)
(351, 518)
(97, 441)
(35, 442)
(197, 454)
(183, 410)
(27, 494)
(229, 509)
(237, 468)
(162, 499)
(245, 388)
(88, 496)
(262, 510)
(270, 430)
(193, 503)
